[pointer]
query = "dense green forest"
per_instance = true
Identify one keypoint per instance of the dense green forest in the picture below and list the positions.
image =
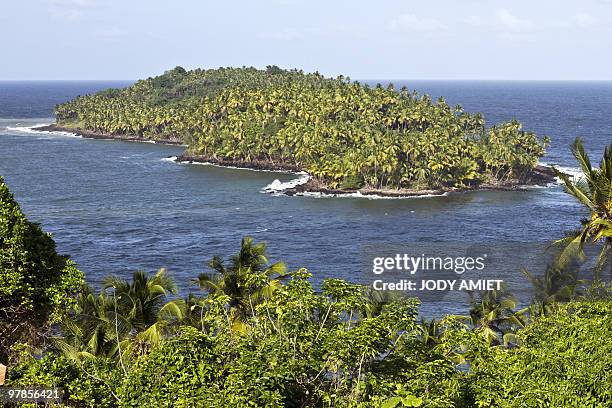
(344, 134)
(253, 333)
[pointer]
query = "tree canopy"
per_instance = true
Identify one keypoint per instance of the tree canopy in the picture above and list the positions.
(345, 134)
(36, 284)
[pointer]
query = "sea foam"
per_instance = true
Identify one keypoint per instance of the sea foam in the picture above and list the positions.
(32, 130)
(575, 173)
(278, 187)
(171, 159)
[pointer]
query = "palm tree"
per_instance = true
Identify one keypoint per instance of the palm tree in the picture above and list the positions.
(196, 308)
(335, 129)
(493, 314)
(376, 300)
(594, 191)
(95, 330)
(247, 280)
(559, 283)
(143, 303)
(125, 315)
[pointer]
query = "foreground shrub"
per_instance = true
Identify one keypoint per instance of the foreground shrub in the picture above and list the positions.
(182, 371)
(262, 337)
(36, 284)
(89, 383)
(564, 360)
(297, 348)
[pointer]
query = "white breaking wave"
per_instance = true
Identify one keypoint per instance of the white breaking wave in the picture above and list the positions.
(575, 173)
(171, 159)
(32, 130)
(538, 187)
(25, 129)
(279, 187)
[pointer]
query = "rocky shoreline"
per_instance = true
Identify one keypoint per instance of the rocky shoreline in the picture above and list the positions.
(263, 165)
(539, 176)
(95, 135)
(542, 176)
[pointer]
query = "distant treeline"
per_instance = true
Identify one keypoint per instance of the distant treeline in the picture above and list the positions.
(345, 134)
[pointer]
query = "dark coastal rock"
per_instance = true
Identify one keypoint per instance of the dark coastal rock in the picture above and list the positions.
(539, 176)
(95, 135)
(542, 175)
(313, 186)
(253, 164)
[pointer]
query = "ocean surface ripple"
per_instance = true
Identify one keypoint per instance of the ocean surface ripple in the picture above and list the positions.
(116, 207)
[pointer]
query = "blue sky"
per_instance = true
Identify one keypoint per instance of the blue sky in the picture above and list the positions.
(384, 39)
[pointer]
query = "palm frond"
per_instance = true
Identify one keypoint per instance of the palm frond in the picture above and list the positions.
(582, 157)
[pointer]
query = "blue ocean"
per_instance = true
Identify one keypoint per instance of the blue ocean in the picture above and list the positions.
(116, 206)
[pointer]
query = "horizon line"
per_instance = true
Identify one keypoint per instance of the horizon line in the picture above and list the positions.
(352, 79)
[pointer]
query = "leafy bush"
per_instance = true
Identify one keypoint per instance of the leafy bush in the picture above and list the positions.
(180, 370)
(36, 284)
(303, 349)
(352, 182)
(296, 349)
(563, 361)
(87, 384)
(260, 336)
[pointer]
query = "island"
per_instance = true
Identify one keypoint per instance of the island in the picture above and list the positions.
(348, 136)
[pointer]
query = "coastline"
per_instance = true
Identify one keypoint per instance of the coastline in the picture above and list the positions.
(241, 164)
(88, 134)
(540, 176)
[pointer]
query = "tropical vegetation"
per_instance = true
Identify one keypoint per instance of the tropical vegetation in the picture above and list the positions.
(594, 191)
(36, 283)
(253, 333)
(296, 347)
(344, 134)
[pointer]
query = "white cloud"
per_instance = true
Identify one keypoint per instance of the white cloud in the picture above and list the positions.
(69, 9)
(511, 22)
(505, 23)
(477, 21)
(584, 20)
(503, 20)
(577, 21)
(410, 22)
(505, 26)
